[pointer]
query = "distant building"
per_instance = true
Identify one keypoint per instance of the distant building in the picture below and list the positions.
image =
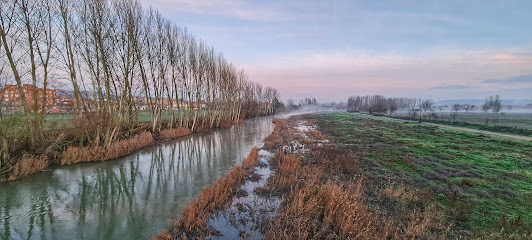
(11, 100)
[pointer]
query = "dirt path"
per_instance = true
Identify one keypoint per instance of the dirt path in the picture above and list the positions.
(463, 129)
(481, 131)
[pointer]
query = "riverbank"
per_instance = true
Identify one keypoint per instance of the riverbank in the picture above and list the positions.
(29, 164)
(345, 176)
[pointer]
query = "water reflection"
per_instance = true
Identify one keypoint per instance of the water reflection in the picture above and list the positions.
(130, 198)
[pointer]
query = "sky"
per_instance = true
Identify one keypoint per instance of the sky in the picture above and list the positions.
(335, 49)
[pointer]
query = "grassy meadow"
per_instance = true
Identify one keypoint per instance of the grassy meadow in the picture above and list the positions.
(481, 185)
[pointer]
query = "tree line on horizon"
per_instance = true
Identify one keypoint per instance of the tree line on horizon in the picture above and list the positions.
(379, 104)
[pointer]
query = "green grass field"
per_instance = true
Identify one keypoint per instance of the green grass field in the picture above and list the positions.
(64, 120)
(506, 119)
(482, 183)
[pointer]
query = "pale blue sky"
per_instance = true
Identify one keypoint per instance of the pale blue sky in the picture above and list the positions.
(333, 49)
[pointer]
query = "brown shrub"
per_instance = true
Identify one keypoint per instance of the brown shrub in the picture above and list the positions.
(29, 164)
(467, 182)
(239, 121)
(117, 149)
(410, 162)
(251, 160)
(173, 133)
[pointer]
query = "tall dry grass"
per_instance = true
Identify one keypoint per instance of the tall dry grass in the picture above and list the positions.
(118, 149)
(217, 196)
(251, 160)
(328, 211)
(275, 140)
(320, 203)
(29, 164)
(238, 121)
(173, 133)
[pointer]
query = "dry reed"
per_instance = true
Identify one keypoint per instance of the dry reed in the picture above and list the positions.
(251, 160)
(194, 218)
(275, 139)
(29, 164)
(173, 133)
(118, 149)
(238, 121)
(317, 210)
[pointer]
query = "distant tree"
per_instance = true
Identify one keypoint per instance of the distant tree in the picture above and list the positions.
(427, 105)
(468, 107)
(485, 107)
(496, 103)
(493, 103)
(456, 107)
(290, 103)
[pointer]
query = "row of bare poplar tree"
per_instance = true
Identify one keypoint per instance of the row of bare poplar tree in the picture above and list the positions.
(121, 60)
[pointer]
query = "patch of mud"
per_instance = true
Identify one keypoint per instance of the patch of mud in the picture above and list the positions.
(249, 211)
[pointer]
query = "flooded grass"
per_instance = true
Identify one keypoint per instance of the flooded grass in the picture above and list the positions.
(194, 218)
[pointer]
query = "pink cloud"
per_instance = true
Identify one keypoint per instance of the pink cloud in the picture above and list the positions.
(338, 75)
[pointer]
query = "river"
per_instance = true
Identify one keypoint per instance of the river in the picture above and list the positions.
(128, 198)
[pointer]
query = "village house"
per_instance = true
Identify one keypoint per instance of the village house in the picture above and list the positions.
(11, 100)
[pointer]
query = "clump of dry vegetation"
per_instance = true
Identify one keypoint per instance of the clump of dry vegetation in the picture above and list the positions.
(29, 164)
(238, 121)
(251, 160)
(193, 220)
(117, 149)
(194, 217)
(173, 133)
(275, 139)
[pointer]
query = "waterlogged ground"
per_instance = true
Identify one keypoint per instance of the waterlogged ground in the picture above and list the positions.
(128, 198)
(249, 211)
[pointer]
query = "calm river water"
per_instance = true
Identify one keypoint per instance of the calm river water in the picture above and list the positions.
(128, 198)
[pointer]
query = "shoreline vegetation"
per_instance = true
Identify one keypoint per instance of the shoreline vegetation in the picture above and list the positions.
(30, 164)
(124, 71)
(344, 176)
